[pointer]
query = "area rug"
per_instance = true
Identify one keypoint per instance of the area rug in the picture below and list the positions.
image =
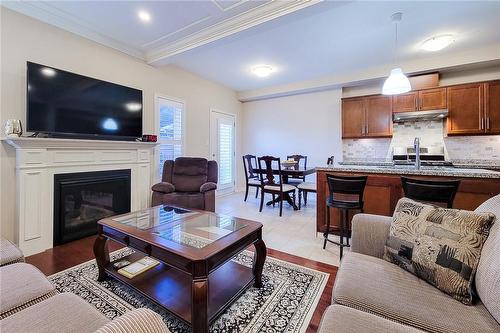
(286, 302)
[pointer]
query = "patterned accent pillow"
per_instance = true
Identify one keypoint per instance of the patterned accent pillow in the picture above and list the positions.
(441, 246)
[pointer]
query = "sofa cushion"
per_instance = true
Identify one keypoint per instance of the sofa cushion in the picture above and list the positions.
(377, 286)
(439, 245)
(488, 272)
(137, 321)
(189, 173)
(9, 253)
(342, 319)
(62, 313)
(22, 285)
(185, 200)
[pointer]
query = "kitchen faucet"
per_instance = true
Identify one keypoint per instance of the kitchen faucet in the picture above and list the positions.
(416, 146)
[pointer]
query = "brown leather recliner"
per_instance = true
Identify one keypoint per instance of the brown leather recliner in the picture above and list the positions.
(188, 182)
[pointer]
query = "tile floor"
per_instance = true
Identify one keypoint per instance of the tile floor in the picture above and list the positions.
(294, 232)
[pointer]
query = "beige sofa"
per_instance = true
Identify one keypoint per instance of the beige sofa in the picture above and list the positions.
(373, 295)
(30, 303)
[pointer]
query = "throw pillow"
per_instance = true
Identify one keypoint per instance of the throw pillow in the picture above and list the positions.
(441, 246)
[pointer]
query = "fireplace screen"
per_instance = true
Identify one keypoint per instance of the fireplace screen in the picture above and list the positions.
(82, 199)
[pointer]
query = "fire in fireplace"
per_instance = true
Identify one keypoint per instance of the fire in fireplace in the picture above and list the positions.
(81, 199)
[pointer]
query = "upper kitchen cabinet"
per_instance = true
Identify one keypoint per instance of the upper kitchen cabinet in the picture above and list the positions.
(422, 100)
(367, 117)
(378, 116)
(492, 107)
(466, 109)
(353, 117)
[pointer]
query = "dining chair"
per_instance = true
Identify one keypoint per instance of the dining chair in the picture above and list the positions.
(295, 180)
(431, 191)
(269, 166)
(251, 178)
(330, 160)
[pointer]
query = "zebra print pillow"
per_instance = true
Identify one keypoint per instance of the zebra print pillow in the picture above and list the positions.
(441, 246)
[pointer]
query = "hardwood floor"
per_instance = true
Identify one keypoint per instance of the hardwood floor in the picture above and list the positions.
(68, 255)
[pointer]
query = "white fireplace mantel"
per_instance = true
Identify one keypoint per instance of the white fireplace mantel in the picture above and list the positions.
(39, 159)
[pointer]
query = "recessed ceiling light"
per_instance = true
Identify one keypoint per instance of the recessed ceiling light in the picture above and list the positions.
(144, 16)
(437, 43)
(262, 70)
(47, 71)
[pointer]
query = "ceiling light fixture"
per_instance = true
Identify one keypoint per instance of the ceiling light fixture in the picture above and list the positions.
(437, 43)
(144, 16)
(47, 71)
(262, 70)
(397, 82)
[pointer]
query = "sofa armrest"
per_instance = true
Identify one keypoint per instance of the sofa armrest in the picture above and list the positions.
(163, 187)
(369, 233)
(208, 186)
(137, 321)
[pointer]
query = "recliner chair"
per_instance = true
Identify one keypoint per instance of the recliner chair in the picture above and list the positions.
(187, 182)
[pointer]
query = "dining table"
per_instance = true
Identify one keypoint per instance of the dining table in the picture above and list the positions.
(287, 173)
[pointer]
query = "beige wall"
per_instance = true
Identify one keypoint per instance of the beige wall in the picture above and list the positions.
(25, 39)
(307, 124)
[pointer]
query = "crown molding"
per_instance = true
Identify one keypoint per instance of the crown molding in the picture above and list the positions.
(258, 15)
(49, 14)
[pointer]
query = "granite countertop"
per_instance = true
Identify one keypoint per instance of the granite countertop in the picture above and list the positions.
(389, 168)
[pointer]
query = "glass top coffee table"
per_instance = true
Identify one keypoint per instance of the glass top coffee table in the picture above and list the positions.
(196, 279)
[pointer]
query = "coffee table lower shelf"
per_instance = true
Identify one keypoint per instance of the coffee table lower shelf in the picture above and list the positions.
(171, 289)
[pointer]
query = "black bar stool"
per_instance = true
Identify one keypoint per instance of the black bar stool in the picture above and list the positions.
(431, 191)
(346, 193)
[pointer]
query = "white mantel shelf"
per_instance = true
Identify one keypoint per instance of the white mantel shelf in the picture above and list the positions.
(48, 143)
(38, 160)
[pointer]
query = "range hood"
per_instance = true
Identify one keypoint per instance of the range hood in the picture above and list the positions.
(402, 117)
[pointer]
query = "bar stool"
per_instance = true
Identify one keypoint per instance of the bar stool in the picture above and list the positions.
(431, 191)
(346, 193)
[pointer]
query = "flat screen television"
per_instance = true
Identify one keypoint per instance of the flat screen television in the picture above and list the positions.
(65, 104)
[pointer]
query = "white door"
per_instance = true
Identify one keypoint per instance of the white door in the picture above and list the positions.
(222, 149)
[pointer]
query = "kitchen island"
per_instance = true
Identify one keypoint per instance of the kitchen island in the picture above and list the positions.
(383, 189)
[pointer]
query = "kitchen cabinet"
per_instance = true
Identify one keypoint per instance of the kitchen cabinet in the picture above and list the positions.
(367, 117)
(466, 109)
(353, 117)
(492, 107)
(421, 100)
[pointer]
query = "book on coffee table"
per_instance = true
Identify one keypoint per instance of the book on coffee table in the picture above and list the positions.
(138, 267)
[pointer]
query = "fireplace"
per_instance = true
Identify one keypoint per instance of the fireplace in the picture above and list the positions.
(81, 199)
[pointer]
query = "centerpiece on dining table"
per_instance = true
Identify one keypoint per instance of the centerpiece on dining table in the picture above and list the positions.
(289, 164)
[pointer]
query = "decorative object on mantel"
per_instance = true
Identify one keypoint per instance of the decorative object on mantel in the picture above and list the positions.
(149, 138)
(13, 128)
(397, 82)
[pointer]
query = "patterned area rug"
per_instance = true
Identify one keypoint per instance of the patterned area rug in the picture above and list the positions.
(286, 302)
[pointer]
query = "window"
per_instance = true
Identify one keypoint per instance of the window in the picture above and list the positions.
(171, 131)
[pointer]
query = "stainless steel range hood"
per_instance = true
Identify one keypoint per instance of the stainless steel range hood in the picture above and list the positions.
(402, 117)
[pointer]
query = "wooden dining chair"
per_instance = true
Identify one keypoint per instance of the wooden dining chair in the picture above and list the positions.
(295, 180)
(251, 178)
(269, 166)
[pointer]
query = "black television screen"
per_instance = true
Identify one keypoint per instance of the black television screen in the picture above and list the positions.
(64, 103)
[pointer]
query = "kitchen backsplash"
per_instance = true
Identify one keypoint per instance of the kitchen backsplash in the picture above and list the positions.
(431, 134)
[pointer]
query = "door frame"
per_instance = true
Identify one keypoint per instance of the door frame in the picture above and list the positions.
(211, 143)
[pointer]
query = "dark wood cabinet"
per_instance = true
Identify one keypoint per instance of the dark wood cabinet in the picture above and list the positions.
(432, 99)
(378, 116)
(492, 107)
(405, 102)
(367, 117)
(466, 109)
(353, 118)
(422, 100)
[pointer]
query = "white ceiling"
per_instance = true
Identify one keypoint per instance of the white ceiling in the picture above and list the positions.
(221, 40)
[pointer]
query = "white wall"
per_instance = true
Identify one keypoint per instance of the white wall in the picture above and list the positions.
(307, 124)
(25, 39)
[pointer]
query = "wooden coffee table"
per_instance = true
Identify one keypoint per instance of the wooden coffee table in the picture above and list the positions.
(196, 280)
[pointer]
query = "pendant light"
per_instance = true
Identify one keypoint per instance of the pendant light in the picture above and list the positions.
(397, 82)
